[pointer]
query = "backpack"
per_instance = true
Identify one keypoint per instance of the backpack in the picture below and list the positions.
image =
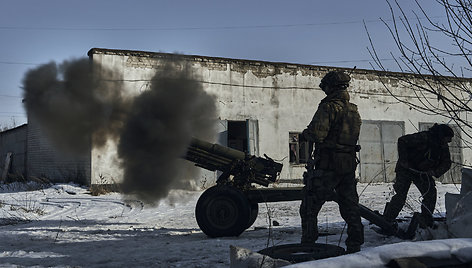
(349, 126)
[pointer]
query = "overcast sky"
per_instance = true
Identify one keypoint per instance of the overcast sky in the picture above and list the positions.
(329, 33)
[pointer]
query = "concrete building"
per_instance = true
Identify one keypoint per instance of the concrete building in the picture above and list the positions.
(263, 107)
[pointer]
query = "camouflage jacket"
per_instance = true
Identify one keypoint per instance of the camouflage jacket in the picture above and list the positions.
(335, 130)
(423, 152)
(336, 122)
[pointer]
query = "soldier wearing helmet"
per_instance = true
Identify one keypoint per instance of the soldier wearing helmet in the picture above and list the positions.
(335, 80)
(334, 130)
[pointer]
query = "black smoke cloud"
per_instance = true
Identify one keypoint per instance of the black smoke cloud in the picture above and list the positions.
(160, 126)
(77, 110)
(74, 108)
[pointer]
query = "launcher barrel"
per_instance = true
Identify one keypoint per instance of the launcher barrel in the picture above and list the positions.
(245, 168)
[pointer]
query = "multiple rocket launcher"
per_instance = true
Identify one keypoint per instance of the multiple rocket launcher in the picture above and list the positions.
(238, 171)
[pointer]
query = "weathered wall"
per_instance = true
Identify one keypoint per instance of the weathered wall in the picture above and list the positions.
(281, 97)
(13, 141)
(46, 161)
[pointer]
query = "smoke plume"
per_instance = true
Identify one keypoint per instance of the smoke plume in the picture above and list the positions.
(160, 125)
(75, 109)
(78, 110)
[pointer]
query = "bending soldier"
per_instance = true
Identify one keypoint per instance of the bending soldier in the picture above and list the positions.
(421, 156)
(335, 130)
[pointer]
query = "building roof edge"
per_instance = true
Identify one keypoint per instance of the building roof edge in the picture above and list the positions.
(93, 51)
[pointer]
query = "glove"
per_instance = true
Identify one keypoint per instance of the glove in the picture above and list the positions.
(404, 164)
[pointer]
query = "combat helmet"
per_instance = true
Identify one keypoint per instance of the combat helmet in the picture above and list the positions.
(336, 79)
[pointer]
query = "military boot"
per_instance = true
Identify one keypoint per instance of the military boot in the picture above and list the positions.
(425, 221)
(353, 249)
(308, 241)
(309, 237)
(390, 219)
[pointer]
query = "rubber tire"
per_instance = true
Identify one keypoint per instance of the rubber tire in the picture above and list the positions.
(223, 211)
(296, 253)
(254, 213)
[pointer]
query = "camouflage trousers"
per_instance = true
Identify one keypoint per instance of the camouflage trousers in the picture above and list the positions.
(343, 187)
(425, 185)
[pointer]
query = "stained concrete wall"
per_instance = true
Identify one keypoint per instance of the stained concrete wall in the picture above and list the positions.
(282, 97)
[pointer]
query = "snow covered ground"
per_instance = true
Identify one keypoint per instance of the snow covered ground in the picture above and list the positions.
(62, 225)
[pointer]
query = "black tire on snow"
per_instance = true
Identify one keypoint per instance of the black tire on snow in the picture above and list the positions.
(223, 211)
(254, 213)
(296, 253)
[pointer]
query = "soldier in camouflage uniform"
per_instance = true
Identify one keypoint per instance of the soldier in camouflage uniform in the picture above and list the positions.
(421, 156)
(334, 130)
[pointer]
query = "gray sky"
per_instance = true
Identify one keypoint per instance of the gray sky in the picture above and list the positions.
(329, 33)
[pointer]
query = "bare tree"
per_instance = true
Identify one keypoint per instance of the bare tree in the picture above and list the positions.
(439, 76)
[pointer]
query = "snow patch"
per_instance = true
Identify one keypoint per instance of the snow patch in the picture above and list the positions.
(380, 256)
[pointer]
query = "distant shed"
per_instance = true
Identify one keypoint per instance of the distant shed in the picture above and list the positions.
(46, 161)
(13, 148)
